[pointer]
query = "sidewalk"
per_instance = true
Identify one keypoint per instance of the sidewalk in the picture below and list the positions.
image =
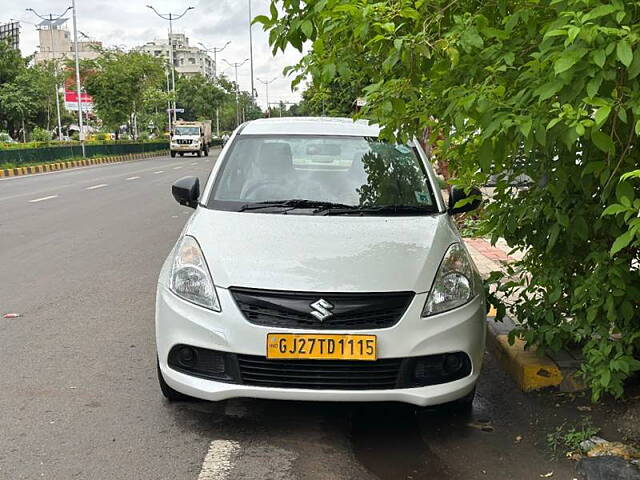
(530, 369)
(490, 258)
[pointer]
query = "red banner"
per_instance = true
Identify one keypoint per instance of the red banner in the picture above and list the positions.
(71, 101)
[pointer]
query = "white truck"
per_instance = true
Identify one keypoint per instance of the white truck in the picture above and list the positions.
(191, 137)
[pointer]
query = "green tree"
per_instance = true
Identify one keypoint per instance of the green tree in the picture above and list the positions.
(546, 89)
(119, 82)
(27, 99)
(199, 97)
(11, 63)
(26, 93)
(246, 104)
(333, 99)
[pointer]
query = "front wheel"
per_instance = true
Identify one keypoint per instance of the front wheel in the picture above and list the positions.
(464, 404)
(199, 153)
(173, 154)
(168, 392)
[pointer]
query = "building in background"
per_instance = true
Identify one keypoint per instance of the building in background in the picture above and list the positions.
(188, 60)
(10, 33)
(56, 43)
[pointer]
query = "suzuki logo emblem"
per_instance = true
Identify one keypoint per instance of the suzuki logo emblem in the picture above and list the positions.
(321, 309)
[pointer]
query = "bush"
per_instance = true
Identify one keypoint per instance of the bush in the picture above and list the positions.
(40, 135)
(546, 89)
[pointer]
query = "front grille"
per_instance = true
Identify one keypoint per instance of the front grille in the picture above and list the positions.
(349, 311)
(382, 374)
(319, 374)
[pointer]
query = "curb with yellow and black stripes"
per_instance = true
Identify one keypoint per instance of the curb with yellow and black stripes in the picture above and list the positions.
(52, 167)
(530, 368)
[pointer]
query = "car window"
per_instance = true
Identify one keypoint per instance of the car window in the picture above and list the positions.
(187, 130)
(351, 171)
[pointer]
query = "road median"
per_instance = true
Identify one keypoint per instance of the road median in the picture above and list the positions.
(55, 166)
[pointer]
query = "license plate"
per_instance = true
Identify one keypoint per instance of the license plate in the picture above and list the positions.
(321, 347)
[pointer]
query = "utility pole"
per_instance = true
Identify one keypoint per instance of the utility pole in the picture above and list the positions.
(236, 65)
(266, 84)
(253, 90)
(166, 72)
(75, 42)
(50, 18)
(215, 51)
(171, 17)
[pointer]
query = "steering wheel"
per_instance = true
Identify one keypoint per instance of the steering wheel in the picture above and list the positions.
(254, 190)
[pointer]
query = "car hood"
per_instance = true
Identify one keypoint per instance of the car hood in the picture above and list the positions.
(322, 253)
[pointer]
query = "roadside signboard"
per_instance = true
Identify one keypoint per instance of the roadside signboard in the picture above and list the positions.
(71, 101)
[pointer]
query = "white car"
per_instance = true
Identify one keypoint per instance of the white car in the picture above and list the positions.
(320, 264)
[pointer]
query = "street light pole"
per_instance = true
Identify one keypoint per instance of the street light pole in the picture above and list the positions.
(168, 100)
(75, 42)
(266, 84)
(253, 90)
(215, 51)
(236, 65)
(171, 17)
(50, 18)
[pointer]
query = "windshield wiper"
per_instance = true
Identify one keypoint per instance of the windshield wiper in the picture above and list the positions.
(293, 203)
(382, 209)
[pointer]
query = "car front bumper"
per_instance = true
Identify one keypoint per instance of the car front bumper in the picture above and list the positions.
(185, 148)
(181, 322)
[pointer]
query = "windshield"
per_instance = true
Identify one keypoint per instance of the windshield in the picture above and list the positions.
(187, 131)
(321, 174)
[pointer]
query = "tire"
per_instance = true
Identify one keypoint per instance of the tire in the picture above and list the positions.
(199, 153)
(464, 404)
(173, 154)
(168, 392)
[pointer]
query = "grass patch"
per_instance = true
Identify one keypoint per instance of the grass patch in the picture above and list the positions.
(567, 438)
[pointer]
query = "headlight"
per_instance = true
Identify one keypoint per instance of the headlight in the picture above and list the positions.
(190, 277)
(455, 283)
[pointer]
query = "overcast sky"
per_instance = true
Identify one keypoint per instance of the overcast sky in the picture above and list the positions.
(213, 22)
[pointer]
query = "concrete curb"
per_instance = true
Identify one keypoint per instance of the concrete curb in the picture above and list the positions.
(531, 369)
(52, 167)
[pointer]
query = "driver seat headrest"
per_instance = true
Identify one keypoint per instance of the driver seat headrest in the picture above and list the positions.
(275, 158)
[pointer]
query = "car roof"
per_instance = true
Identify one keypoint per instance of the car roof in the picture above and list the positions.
(310, 126)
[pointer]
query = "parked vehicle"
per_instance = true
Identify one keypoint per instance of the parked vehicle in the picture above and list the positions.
(6, 138)
(320, 264)
(191, 137)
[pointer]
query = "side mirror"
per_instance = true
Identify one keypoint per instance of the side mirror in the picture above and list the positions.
(472, 200)
(186, 191)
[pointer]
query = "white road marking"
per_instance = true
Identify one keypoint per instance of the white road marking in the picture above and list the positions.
(36, 200)
(194, 163)
(177, 168)
(101, 185)
(159, 171)
(133, 178)
(219, 460)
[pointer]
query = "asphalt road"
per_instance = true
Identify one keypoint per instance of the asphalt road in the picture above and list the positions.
(80, 251)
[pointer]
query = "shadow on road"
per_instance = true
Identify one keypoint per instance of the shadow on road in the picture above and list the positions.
(389, 441)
